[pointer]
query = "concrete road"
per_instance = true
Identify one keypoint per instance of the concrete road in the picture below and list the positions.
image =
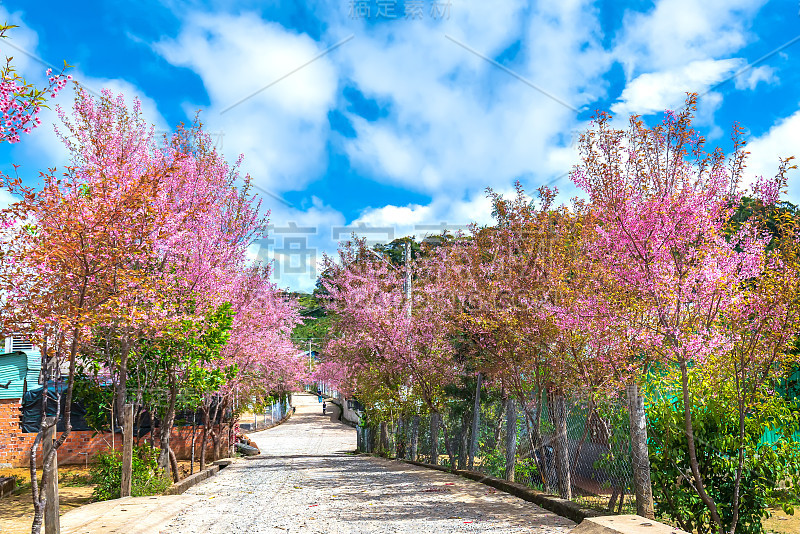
(306, 480)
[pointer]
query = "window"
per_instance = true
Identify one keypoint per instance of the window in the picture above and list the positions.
(15, 343)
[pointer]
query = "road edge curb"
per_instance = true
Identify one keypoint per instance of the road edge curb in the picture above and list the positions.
(552, 503)
(183, 485)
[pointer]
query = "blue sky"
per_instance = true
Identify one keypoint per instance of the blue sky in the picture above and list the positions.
(395, 125)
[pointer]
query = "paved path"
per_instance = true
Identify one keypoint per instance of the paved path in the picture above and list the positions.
(306, 482)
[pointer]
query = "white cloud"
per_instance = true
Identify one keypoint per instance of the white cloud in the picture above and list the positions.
(296, 243)
(681, 46)
(751, 78)
(42, 147)
(658, 91)
(457, 122)
(443, 213)
(282, 128)
(676, 32)
(6, 199)
(781, 141)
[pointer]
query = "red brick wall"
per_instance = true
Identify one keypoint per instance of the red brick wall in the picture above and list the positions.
(15, 445)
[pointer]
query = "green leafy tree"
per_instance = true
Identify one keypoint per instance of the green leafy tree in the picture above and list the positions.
(714, 409)
(185, 357)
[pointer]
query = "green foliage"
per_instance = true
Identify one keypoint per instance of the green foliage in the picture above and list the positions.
(316, 321)
(770, 216)
(188, 347)
(147, 478)
(716, 429)
(493, 457)
(526, 469)
(494, 462)
(395, 251)
(96, 400)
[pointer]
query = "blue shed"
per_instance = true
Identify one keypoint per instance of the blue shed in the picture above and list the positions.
(19, 368)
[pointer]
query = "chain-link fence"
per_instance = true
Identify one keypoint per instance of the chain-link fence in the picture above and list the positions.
(271, 415)
(591, 454)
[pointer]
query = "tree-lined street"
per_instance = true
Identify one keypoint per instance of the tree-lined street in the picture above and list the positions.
(604, 318)
(307, 480)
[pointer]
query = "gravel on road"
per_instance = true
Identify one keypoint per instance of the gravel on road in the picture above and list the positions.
(307, 480)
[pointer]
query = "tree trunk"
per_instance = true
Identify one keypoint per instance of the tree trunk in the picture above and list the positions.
(558, 415)
(165, 429)
(215, 431)
(50, 482)
(50, 457)
(511, 438)
(463, 443)
(40, 499)
(204, 438)
(414, 437)
(127, 451)
(400, 439)
(476, 422)
(383, 444)
(435, 438)
(173, 462)
(699, 485)
(121, 387)
(194, 441)
(374, 438)
(448, 445)
(640, 459)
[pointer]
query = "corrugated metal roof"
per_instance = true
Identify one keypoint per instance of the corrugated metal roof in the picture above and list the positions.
(13, 372)
(15, 369)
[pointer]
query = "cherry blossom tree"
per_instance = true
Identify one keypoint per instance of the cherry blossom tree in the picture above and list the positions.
(135, 251)
(20, 100)
(260, 347)
(676, 273)
(66, 269)
(388, 348)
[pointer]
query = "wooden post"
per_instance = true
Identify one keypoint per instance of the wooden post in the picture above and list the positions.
(435, 438)
(476, 422)
(511, 438)
(127, 451)
(414, 436)
(51, 519)
(558, 417)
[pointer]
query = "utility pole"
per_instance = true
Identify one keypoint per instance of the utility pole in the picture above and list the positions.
(408, 278)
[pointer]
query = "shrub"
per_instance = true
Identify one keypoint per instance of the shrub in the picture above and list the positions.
(146, 478)
(767, 464)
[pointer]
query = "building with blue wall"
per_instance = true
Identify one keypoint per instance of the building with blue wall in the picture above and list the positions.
(19, 368)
